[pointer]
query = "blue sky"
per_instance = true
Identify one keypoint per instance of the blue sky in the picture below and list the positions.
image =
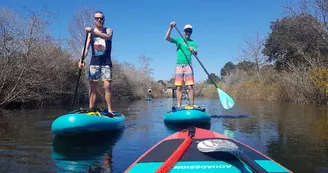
(220, 27)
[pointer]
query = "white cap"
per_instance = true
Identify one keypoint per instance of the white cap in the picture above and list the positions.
(187, 26)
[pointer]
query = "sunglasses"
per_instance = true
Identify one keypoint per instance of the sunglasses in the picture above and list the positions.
(99, 18)
(188, 30)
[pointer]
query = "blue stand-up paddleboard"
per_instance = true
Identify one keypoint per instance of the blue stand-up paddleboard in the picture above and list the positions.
(187, 114)
(87, 120)
(148, 99)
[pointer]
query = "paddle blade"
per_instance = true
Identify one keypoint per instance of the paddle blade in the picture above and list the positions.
(223, 145)
(226, 101)
(218, 145)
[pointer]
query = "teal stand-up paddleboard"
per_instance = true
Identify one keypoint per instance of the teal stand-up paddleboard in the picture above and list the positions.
(86, 120)
(187, 114)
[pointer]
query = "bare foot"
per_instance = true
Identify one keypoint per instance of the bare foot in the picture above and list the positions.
(110, 114)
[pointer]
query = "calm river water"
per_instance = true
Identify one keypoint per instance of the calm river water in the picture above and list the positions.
(294, 135)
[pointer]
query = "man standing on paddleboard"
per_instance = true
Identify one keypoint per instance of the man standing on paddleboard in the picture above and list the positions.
(149, 93)
(184, 73)
(100, 70)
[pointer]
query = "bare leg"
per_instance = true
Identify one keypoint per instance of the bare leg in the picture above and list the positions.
(179, 95)
(93, 93)
(107, 87)
(191, 94)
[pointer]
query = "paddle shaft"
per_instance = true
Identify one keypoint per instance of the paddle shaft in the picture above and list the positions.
(252, 164)
(197, 58)
(78, 79)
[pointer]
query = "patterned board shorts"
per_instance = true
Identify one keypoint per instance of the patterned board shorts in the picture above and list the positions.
(100, 73)
(184, 71)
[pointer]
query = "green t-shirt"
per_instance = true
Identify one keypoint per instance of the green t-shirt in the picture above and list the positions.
(183, 53)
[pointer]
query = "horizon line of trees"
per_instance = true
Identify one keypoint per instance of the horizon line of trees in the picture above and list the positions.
(289, 64)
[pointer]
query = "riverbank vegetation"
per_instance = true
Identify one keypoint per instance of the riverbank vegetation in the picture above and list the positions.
(288, 64)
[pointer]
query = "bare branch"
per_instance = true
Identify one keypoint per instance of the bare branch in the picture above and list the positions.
(252, 51)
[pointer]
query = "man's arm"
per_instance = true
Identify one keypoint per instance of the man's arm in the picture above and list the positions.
(107, 36)
(193, 48)
(168, 33)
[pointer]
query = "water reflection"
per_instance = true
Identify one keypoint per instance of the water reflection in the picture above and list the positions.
(90, 152)
(104, 167)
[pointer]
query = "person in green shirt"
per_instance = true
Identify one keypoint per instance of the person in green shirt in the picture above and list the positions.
(184, 73)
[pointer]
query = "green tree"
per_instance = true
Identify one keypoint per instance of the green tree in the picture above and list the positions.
(162, 82)
(246, 66)
(297, 41)
(214, 77)
(227, 68)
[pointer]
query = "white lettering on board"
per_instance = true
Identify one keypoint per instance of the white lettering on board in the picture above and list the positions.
(203, 167)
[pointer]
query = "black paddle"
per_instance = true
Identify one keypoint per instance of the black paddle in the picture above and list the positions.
(226, 101)
(223, 145)
(78, 79)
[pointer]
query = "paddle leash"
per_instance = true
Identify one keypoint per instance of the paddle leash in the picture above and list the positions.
(78, 79)
(226, 101)
(178, 153)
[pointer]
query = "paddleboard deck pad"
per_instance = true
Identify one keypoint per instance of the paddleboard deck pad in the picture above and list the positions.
(157, 158)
